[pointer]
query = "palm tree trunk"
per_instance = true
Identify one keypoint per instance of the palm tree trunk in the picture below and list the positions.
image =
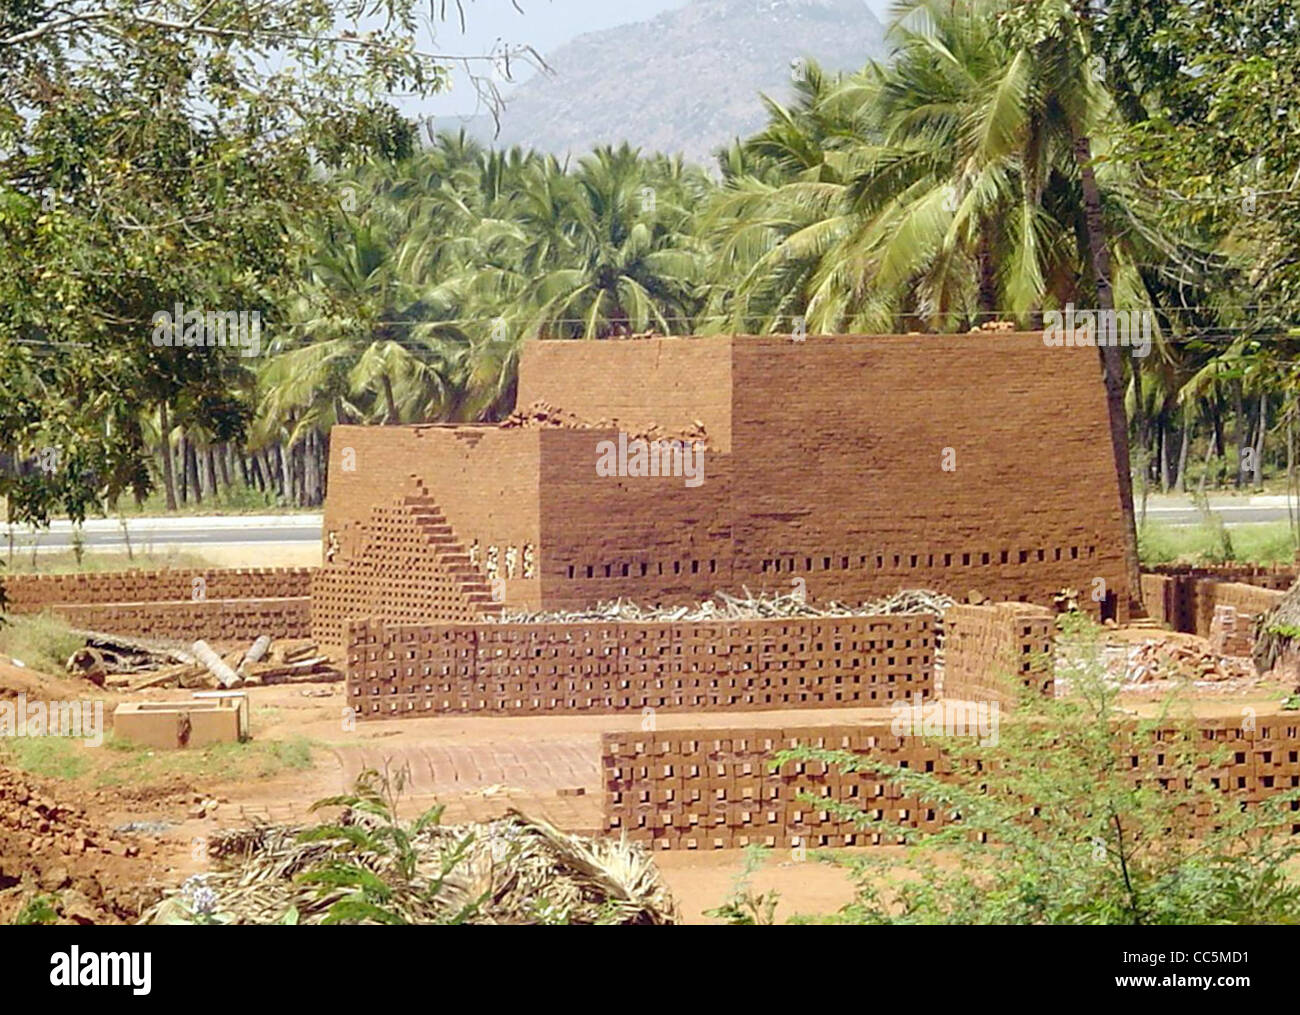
(1182, 453)
(1112, 363)
(1243, 432)
(1143, 430)
(392, 402)
(169, 477)
(210, 469)
(182, 459)
(1291, 475)
(192, 470)
(1260, 429)
(273, 479)
(988, 294)
(1166, 477)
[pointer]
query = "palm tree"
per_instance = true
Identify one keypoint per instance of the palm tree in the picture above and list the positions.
(610, 248)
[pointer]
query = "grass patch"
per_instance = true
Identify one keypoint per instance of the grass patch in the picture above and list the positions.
(1247, 543)
(65, 561)
(236, 500)
(41, 641)
(129, 764)
(49, 757)
(121, 763)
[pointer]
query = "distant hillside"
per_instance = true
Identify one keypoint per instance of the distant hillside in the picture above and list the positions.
(688, 80)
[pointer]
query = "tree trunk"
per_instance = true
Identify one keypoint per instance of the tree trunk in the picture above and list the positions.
(311, 480)
(183, 456)
(169, 476)
(1216, 421)
(1243, 432)
(1166, 476)
(285, 457)
(210, 468)
(1261, 427)
(1182, 453)
(192, 470)
(393, 418)
(273, 476)
(988, 293)
(1112, 364)
(1145, 434)
(1291, 475)
(1210, 446)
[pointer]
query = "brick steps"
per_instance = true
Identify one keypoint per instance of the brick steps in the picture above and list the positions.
(406, 561)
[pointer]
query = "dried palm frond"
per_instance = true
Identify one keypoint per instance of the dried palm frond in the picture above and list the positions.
(509, 871)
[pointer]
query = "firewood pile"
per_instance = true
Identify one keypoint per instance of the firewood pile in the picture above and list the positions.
(128, 665)
(722, 606)
(1167, 660)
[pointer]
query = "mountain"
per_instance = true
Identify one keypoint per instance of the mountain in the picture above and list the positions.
(688, 80)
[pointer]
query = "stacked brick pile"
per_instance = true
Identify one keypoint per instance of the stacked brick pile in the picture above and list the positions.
(1185, 598)
(240, 620)
(235, 604)
(31, 593)
(519, 669)
(404, 564)
(997, 652)
(780, 500)
(1232, 633)
(714, 788)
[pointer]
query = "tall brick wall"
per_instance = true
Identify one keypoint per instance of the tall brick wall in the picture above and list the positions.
(482, 479)
(714, 789)
(823, 468)
(998, 652)
(839, 444)
(671, 383)
(649, 539)
(515, 669)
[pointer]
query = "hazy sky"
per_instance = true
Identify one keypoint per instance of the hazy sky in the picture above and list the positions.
(544, 24)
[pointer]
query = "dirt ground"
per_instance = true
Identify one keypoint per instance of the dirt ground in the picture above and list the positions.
(108, 826)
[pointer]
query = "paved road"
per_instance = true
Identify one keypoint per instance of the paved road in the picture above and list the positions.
(1233, 510)
(182, 532)
(304, 529)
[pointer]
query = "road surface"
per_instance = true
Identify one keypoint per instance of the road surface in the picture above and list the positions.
(178, 533)
(301, 530)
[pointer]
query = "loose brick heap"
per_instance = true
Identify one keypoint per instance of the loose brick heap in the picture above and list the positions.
(183, 604)
(714, 789)
(997, 652)
(518, 669)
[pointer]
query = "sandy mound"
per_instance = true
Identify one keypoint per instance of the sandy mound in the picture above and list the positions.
(53, 847)
(16, 680)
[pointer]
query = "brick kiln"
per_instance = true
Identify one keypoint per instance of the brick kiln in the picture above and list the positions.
(855, 465)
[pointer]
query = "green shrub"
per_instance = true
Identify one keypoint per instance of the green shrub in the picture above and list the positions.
(1096, 847)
